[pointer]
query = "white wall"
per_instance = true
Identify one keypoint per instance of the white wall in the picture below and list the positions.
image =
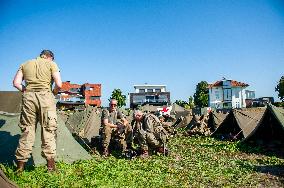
(216, 100)
(154, 87)
(238, 97)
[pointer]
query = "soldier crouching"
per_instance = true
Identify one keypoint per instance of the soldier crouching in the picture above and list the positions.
(149, 133)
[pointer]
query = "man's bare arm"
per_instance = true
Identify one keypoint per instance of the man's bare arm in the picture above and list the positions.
(106, 123)
(58, 82)
(17, 82)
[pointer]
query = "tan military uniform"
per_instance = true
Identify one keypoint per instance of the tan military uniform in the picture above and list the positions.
(109, 132)
(38, 105)
(150, 132)
(168, 127)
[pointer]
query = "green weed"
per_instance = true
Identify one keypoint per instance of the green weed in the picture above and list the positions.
(194, 162)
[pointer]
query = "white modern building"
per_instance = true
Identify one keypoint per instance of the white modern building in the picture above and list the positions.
(149, 94)
(227, 93)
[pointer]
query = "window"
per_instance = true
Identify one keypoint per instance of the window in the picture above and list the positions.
(238, 105)
(163, 98)
(237, 93)
(94, 98)
(227, 94)
(76, 99)
(74, 90)
(227, 83)
(227, 105)
(158, 90)
(150, 99)
(138, 99)
(88, 88)
(149, 90)
(141, 90)
(250, 95)
(217, 95)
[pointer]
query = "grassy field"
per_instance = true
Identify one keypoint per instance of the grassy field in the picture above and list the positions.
(194, 162)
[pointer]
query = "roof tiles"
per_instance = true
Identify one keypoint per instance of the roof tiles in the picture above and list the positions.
(233, 84)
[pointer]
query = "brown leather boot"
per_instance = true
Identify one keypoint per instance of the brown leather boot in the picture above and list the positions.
(105, 152)
(145, 154)
(50, 165)
(20, 166)
(163, 150)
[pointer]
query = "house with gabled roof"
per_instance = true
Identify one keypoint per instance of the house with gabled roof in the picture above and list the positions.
(227, 93)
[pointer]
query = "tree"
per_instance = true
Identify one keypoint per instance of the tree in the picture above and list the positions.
(181, 103)
(280, 89)
(190, 102)
(121, 99)
(184, 104)
(201, 94)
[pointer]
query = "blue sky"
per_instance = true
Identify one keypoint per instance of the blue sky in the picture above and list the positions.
(121, 43)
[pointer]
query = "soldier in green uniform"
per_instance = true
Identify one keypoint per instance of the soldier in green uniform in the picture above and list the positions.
(150, 133)
(114, 125)
(38, 105)
(166, 125)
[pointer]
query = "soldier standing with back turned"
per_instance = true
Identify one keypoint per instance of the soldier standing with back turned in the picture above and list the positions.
(38, 105)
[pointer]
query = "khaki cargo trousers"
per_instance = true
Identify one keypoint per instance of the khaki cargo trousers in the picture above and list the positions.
(147, 139)
(37, 107)
(109, 133)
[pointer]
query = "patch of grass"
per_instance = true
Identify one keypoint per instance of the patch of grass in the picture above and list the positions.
(194, 162)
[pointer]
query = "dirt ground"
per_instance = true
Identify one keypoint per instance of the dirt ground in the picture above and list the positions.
(10, 101)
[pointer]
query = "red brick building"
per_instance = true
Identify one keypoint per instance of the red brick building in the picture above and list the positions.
(92, 94)
(71, 95)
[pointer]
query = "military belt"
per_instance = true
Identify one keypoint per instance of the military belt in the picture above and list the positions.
(37, 90)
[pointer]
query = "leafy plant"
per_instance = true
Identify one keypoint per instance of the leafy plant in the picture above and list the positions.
(191, 102)
(194, 162)
(201, 95)
(121, 99)
(181, 103)
(280, 88)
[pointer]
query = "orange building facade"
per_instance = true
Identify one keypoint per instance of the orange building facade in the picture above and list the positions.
(71, 95)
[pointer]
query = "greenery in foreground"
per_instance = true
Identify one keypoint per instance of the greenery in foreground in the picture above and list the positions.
(194, 162)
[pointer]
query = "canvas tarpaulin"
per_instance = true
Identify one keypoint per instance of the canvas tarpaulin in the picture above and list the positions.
(248, 119)
(5, 182)
(68, 149)
(263, 125)
(179, 111)
(186, 120)
(177, 108)
(85, 124)
(149, 108)
(215, 119)
(228, 129)
(278, 113)
(271, 127)
(239, 123)
(74, 121)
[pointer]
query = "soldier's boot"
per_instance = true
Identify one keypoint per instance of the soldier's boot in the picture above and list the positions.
(129, 145)
(105, 152)
(145, 154)
(163, 150)
(20, 167)
(50, 165)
